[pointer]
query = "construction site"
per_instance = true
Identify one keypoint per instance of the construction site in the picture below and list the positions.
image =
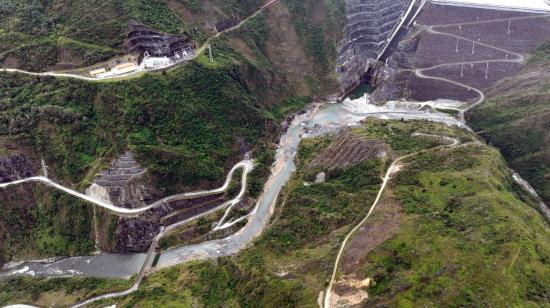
(386, 41)
(126, 184)
(149, 50)
(371, 33)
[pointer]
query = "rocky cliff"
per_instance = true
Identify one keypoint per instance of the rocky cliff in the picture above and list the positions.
(15, 167)
(125, 184)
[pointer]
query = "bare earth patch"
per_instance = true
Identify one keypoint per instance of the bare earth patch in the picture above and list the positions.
(350, 290)
(349, 149)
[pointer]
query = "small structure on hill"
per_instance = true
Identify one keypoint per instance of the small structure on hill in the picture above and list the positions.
(97, 72)
(124, 68)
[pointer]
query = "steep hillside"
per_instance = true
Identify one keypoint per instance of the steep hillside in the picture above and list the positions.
(467, 236)
(516, 119)
(61, 35)
(186, 126)
(39, 35)
(446, 217)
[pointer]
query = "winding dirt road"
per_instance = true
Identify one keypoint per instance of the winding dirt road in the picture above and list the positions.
(198, 52)
(421, 73)
(394, 168)
(246, 165)
(517, 57)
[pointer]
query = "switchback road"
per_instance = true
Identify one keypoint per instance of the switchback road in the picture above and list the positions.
(246, 165)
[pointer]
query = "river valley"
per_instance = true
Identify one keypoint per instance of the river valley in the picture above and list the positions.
(319, 119)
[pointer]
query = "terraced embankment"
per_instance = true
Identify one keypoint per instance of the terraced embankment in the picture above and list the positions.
(460, 52)
(245, 165)
(349, 149)
(369, 26)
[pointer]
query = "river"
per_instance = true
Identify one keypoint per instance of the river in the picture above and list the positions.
(319, 119)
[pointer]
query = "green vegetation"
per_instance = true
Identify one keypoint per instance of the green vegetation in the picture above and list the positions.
(452, 112)
(517, 121)
(257, 276)
(300, 242)
(61, 291)
(306, 15)
(541, 55)
(323, 208)
(37, 57)
(179, 127)
(237, 9)
(54, 224)
(294, 104)
(187, 126)
(191, 233)
(467, 235)
(193, 5)
(398, 134)
(255, 33)
(37, 31)
(467, 239)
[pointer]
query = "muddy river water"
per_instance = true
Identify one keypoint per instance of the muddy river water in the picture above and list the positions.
(319, 119)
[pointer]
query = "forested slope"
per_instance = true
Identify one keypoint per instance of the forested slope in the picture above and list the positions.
(516, 119)
(188, 125)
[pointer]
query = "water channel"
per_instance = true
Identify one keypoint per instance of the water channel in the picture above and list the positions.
(319, 119)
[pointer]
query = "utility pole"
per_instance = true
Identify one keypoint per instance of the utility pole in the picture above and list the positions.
(462, 71)
(473, 47)
(210, 53)
(487, 71)
(457, 45)
(509, 24)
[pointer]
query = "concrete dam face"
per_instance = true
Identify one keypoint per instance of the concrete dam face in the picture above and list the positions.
(370, 23)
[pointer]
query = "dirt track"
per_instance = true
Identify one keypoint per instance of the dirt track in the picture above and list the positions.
(394, 168)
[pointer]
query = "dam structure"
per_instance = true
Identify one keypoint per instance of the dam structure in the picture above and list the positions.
(371, 27)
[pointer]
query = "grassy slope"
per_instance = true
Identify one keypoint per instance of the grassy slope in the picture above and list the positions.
(34, 32)
(56, 292)
(38, 35)
(251, 278)
(177, 124)
(171, 122)
(516, 119)
(469, 237)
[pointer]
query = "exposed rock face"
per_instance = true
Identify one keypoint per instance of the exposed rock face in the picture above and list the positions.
(421, 49)
(124, 184)
(15, 167)
(370, 24)
(135, 234)
(127, 184)
(143, 39)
